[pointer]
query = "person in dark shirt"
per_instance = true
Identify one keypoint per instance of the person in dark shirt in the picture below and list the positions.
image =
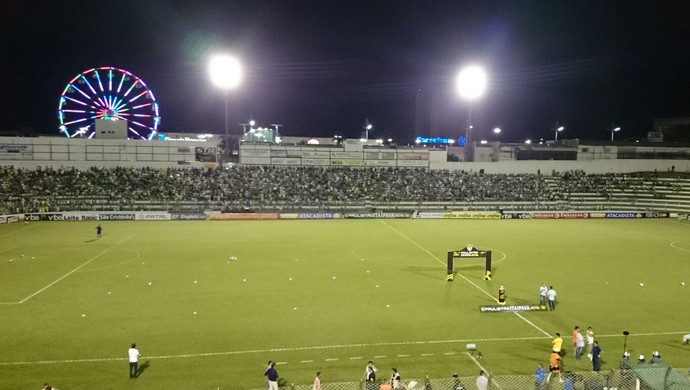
(272, 376)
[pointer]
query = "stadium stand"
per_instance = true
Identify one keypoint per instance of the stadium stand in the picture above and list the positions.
(247, 188)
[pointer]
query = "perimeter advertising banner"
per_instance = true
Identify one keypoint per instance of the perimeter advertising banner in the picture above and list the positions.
(559, 215)
(510, 308)
(188, 216)
(509, 215)
(621, 214)
(4, 219)
(393, 215)
(471, 215)
(243, 216)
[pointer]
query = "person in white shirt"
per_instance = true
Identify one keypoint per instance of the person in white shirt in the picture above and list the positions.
(552, 298)
(395, 379)
(482, 381)
(133, 361)
(317, 381)
(589, 339)
(542, 294)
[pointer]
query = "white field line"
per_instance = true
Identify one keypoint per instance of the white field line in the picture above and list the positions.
(483, 369)
(18, 230)
(675, 247)
(325, 347)
(67, 274)
(465, 278)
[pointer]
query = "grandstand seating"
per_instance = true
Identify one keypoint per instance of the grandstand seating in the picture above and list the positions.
(314, 188)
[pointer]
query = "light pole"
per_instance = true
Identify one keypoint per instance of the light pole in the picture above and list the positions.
(226, 73)
(367, 126)
(614, 129)
(470, 84)
(557, 128)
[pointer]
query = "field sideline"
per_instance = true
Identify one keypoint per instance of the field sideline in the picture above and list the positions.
(326, 296)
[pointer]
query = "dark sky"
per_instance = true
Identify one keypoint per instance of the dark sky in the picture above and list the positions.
(320, 67)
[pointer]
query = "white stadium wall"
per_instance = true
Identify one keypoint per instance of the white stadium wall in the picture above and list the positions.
(27, 152)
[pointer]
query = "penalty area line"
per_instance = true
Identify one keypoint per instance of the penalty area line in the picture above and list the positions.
(465, 278)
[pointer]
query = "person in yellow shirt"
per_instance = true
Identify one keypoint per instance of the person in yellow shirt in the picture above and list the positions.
(557, 343)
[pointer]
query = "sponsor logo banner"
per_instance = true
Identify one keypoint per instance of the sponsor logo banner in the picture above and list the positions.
(16, 152)
(288, 216)
(559, 215)
(188, 216)
(377, 215)
(152, 216)
(320, 215)
(617, 214)
(683, 217)
(429, 215)
(12, 219)
(344, 162)
(510, 308)
(3, 219)
(243, 216)
(116, 217)
(509, 215)
(471, 215)
(656, 215)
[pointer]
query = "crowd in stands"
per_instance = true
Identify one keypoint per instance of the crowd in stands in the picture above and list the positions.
(64, 189)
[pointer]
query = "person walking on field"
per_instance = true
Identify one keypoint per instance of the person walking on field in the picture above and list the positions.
(543, 290)
(579, 345)
(557, 343)
(596, 354)
(133, 361)
(589, 339)
(552, 298)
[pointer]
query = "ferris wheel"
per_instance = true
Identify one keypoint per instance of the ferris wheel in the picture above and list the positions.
(110, 94)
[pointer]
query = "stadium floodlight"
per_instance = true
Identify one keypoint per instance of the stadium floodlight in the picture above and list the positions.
(367, 126)
(470, 84)
(497, 130)
(226, 73)
(557, 128)
(614, 129)
(528, 141)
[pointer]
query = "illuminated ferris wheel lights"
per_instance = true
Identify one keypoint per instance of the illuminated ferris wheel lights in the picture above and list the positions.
(106, 98)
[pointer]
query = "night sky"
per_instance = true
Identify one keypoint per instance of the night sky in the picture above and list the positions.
(321, 67)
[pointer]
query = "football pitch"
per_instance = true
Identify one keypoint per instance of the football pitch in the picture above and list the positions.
(327, 295)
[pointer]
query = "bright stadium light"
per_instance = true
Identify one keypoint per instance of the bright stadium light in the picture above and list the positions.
(557, 128)
(497, 130)
(226, 73)
(614, 129)
(470, 83)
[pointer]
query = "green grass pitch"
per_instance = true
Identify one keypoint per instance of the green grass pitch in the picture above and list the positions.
(327, 296)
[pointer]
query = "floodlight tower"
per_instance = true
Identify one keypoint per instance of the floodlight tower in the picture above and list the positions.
(470, 84)
(226, 73)
(367, 126)
(614, 129)
(557, 128)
